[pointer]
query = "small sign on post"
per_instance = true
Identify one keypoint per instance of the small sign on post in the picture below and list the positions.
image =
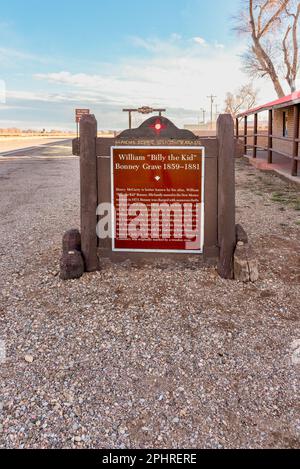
(79, 113)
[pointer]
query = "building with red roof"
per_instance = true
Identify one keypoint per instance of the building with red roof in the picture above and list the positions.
(281, 141)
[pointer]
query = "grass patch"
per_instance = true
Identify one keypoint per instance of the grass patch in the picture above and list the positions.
(279, 197)
(291, 199)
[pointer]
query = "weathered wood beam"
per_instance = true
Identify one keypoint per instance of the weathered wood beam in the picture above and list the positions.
(296, 140)
(270, 137)
(88, 191)
(226, 195)
(255, 135)
(245, 134)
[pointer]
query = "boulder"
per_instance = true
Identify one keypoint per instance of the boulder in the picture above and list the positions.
(245, 263)
(71, 265)
(241, 235)
(71, 241)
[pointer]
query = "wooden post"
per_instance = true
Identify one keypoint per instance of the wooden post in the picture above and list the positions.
(130, 119)
(270, 137)
(295, 142)
(88, 191)
(255, 135)
(226, 195)
(245, 134)
(237, 122)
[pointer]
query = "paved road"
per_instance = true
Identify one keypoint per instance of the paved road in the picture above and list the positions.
(37, 184)
(57, 149)
(20, 143)
(29, 169)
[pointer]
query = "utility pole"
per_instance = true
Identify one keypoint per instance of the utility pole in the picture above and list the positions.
(203, 115)
(217, 111)
(212, 100)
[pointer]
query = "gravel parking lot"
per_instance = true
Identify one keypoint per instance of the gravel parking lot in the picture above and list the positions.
(145, 356)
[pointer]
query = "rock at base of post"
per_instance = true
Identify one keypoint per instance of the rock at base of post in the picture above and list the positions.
(241, 235)
(71, 241)
(245, 264)
(71, 265)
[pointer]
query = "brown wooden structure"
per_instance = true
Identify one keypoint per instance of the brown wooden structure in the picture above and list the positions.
(282, 136)
(95, 188)
(142, 110)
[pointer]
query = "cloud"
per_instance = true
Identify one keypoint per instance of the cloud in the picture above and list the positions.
(10, 56)
(59, 97)
(202, 42)
(35, 96)
(157, 45)
(174, 73)
(2, 91)
(199, 40)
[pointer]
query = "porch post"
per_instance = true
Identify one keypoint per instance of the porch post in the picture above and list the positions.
(295, 138)
(255, 135)
(245, 134)
(270, 139)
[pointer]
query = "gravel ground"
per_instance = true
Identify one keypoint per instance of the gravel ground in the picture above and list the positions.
(151, 356)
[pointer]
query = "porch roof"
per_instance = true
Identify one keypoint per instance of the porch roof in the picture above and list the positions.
(289, 100)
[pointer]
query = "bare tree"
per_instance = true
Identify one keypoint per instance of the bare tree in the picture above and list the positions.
(272, 26)
(245, 98)
(291, 47)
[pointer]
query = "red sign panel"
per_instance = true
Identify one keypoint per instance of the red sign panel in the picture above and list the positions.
(158, 196)
(79, 113)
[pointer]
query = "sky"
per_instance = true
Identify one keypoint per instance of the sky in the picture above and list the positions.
(105, 55)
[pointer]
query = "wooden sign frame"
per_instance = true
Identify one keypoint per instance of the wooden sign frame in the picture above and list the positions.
(219, 182)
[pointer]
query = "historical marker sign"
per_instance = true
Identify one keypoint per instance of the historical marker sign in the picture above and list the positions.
(79, 113)
(158, 195)
(144, 192)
